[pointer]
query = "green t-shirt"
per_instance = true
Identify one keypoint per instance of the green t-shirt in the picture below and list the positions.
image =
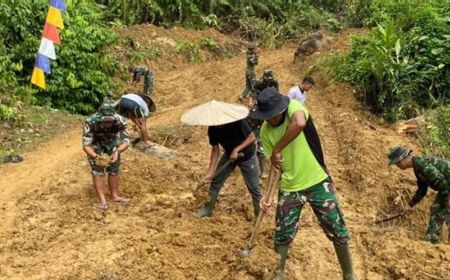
(300, 168)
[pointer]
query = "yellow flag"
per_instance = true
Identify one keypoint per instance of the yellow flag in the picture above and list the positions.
(54, 17)
(38, 78)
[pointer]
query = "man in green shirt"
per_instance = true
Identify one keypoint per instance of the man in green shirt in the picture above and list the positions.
(431, 172)
(291, 140)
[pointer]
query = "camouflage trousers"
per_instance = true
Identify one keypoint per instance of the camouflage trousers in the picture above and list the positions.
(148, 84)
(250, 77)
(323, 200)
(112, 169)
(439, 215)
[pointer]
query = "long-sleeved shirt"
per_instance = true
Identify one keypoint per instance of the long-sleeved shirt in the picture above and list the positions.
(430, 172)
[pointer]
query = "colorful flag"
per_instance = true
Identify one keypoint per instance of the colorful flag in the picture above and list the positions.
(49, 37)
(38, 78)
(54, 17)
(43, 63)
(59, 4)
(47, 48)
(51, 33)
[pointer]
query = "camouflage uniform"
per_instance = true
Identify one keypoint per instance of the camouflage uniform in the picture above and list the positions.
(139, 71)
(256, 128)
(105, 139)
(323, 201)
(433, 172)
(250, 73)
(267, 80)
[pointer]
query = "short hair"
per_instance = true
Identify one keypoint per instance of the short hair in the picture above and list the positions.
(309, 80)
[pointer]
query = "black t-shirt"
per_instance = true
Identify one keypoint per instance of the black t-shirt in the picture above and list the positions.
(231, 135)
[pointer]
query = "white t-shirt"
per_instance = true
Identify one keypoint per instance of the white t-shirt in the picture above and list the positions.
(297, 94)
(136, 98)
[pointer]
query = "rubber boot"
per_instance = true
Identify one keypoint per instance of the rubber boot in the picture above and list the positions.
(256, 208)
(208, 208)
(262, 166)
(345, 260)
(281, 270)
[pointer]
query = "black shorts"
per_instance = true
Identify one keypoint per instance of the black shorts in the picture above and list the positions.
(130, 109)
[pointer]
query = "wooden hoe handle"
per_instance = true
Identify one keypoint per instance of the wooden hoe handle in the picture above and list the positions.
(274, 178)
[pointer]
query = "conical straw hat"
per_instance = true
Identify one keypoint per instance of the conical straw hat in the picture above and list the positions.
(214, 113)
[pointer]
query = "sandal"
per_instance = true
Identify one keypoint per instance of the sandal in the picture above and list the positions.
(102, 206)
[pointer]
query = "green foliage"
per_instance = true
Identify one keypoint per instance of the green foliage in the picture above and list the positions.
(134, 11)
(403, 65)
(190, 50)
(403, 12)
(8, 114)
(331, 5)
(81, 73)
(148, 52)
(209, 43)
(271, 22)
(267, 32)
(284, 23)
(438, 132)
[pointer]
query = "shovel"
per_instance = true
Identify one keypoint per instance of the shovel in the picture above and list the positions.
(274, 178)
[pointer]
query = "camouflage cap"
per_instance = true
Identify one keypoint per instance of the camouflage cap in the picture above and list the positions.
(398, 153)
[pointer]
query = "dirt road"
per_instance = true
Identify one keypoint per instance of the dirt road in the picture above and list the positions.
(50, 228)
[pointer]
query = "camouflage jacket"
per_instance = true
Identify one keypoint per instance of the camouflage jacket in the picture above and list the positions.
(262, 84)
(431, 172)
(95, 133)
(140, 71)
(252, 61)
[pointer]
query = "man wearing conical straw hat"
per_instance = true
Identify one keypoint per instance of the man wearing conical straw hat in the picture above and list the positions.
(227, 128)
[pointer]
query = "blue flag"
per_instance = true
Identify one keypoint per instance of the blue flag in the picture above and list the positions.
(43, 63)
(59, 4)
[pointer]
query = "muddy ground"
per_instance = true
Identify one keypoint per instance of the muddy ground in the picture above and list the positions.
(50, 228)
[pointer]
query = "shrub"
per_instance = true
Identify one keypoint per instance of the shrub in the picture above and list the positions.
(190, 50)
(403, 66)
(81, 73)
(435, 141)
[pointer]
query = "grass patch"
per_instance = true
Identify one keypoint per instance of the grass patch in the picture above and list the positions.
(190, 50)
(32, 126)
(151, 52)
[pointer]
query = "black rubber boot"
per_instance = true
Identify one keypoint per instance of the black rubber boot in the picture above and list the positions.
(281, 270)
(345, 260)
(206, 211)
